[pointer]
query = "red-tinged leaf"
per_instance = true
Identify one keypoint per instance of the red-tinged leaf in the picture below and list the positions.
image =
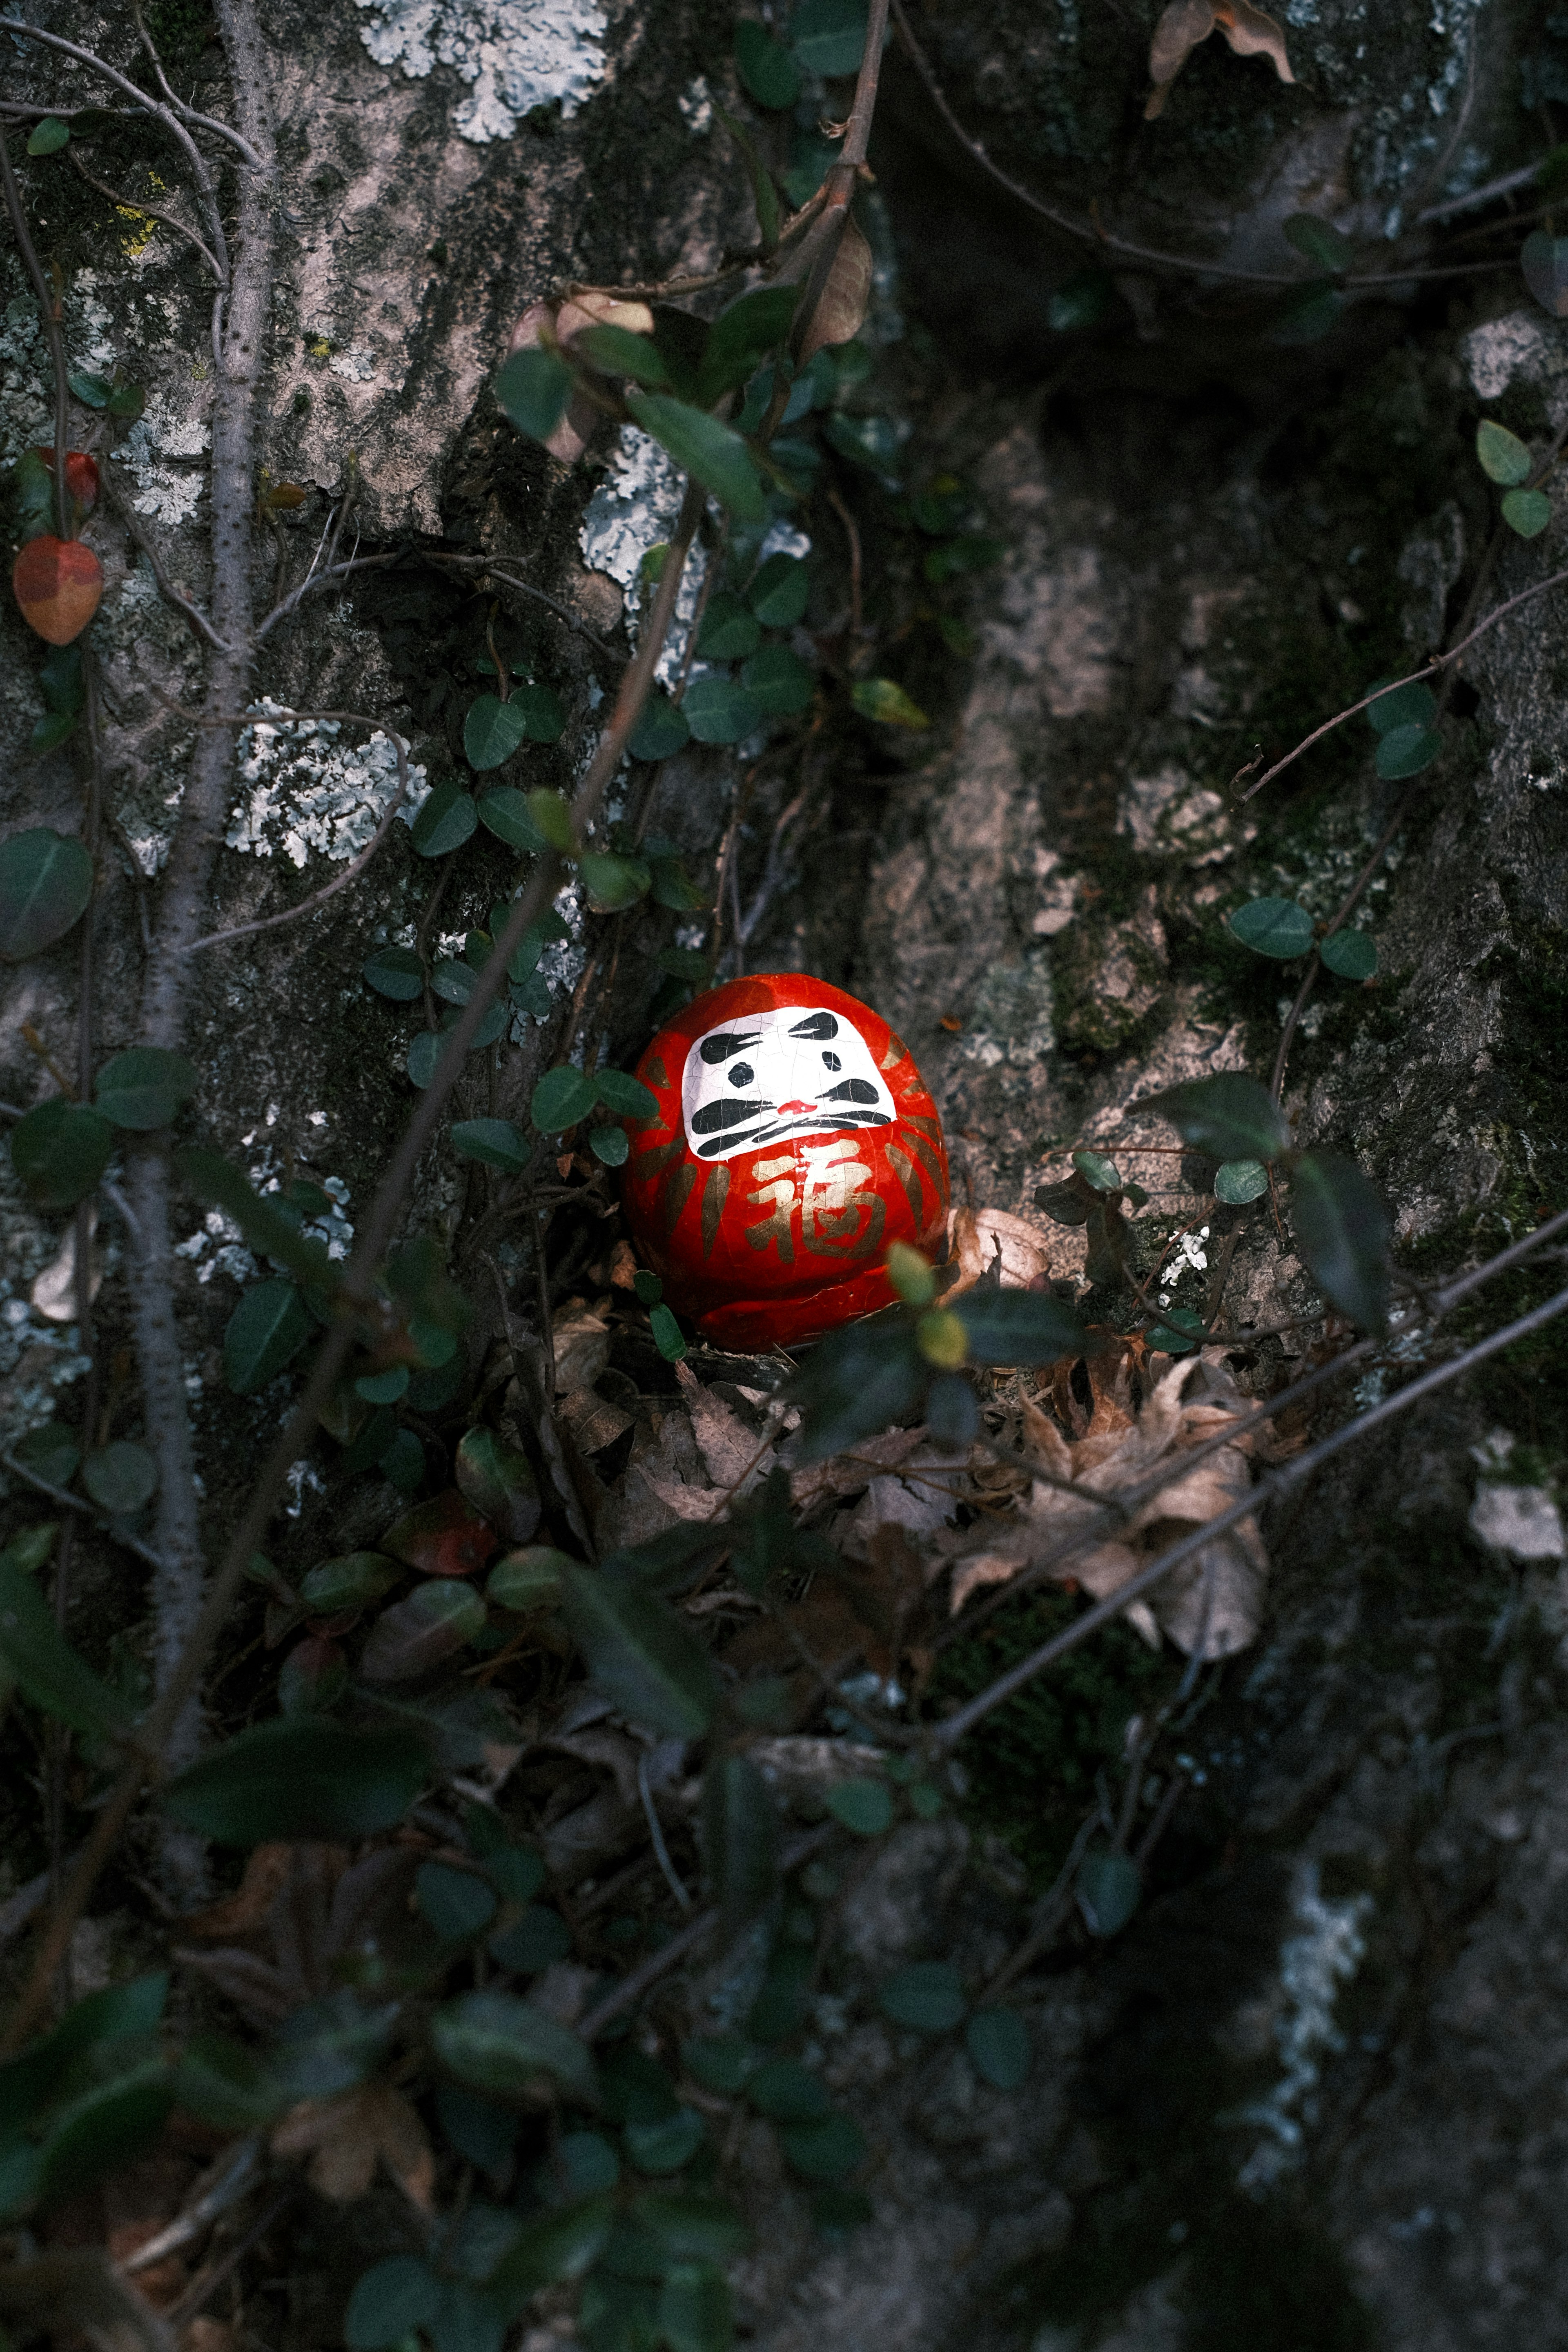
(284, 496)
(497, 1480)
(81, 477)
(414, 1636)
(312, 1677)
(59, 584)
(442, 1537)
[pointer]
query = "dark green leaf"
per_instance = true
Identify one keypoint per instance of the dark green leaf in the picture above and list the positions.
(1406, 751)
(144, 1087)
(788, 2093)
(1065, 1204)
(666, 2146)
(636, 2088)
(47, 137)
(496, 1479)
(741, 337)
(1273, 927)
(301, 1778)
(127, 401)
(483, 2134)
(1351, 954)
(640, 1651)
(770, 74)
(59, 1151)
(390, 2301)
(1528, 512)
(559, 2246)
(779, 682)
(1230, 1116)
(704, 447)
(528, 1579)
(997, 2040)
(544, 713)
(552, 817)
(627, 1096)
(501, 2045)
(857, 1380)
(415, 1635)
(562, 1098)
(444, 821)
(36, 1656)
(533, 388)
(1182, 1330)
(588, 2161)
(1402, 706)
(504, 812)
(782, 2005)
(46, 881)
(825, 2151)
(92, 391)
(1504, 455)
(609, 1145)
(533, 1941)
(1307, 317)
(382, 1387)
(227, 2084)
(974, 551)
(1098, 1172)
(778, 593)
(396, 972)
(495, 1142)
(1341, 1228)
(615, 351)
(33, 516)
(121, 1477)
(828, 37)
(1017, 1327)
(739, 1839)
(106, 2127)
(425, 1051)
(459, 1903)
(660, 731)
(52, 1453)
(927, 1995)
(1081, 301)
(729, 630)
(695, 2310)
(1236, 1180)
(865, 1806)
(312, 1678)
(692, 2229)
(874, 442)
(723, 2063)
(350, 1581)
(265, 1333)
(647, 1286)
(1318, 242)
(260, 1220)
(718, 710)
(1543, 259)
(613, 883)
(667, 1334)
(128, 2011)
(56, 727)
(492, 731)
(1109, 1888)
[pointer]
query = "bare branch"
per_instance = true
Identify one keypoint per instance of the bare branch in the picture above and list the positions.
(65, 1501)
(130, 205)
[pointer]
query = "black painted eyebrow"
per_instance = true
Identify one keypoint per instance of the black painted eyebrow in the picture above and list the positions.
(852, 1090)
(714, 1117)
(820, 1025)
(728, 1041)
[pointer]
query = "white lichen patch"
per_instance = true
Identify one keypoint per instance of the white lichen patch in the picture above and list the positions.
(696, 105)
(515, 54)
(356, 365)
(304, 791)
(1523, 347)
(1011, 1019)
(1314, 1966)
(38, 1356)
(634, 509)
(217, 1245)
(157, 453)
(25, 412)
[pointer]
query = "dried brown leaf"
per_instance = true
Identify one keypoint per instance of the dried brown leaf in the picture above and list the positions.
(977, 1238)
(841, 309)
(241, 1913)
(730, 1453)
(1253, 34)
(346, 2137)
(1249, 32)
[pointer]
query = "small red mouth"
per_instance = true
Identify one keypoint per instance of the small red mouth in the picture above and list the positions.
(796, 1106)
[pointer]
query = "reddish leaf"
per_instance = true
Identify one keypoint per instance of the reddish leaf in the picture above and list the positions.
(312, 1677)
(442, 1537)
(416, 1635)
(284, 496)
(57, 583)
(497, 1480)
(81, 477)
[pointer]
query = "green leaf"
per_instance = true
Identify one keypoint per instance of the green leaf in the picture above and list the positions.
(53, 1453)
(1403, 705)
(33, 516)
(46, 881)
(825, 2151)
(444, 821)
(771, 76)
(552, 817)
(1528, 512)
(1230, 1116)
(382, 1387)
(702, 446)
(927, 1995)
(668, 2145)
(56, 727)
(1351, 954)
(1017, 1327)
(1406, 751)
(533, 388)
(127, 401)
(661, 729)
(47, 137)
(1318, 242)
(857, 1382)
(562, 1098)
(1273, 927)
(492, 731)
(627, 1096)
(1109, 1889)
(59, 1151)
(504, 812)
(778, 594)
(874, 442)
(1180, 1333)
(636, 2088)
(718, 710)
(609, 1144)
(828, 37)
(495, 1477)
(260, 1220)
(459, 1903)
(128, 2011)
(667, 1334)
(1307, 317)
(106, 2126)
(1543, 259)
(1080, 301)
(1098, 1170)
(616, 351)
(695, 2313)
(351, 1581)
(741, 337)
(723, 2063)
(558, 2245)
(501, 2045)
(739, 1841)
(92, 391)
(729, 630)
(266, 1332)
(415, 1635)
(390, 2301)
(863, 1805)
(997, 2040)
(121, 1477)
(528, 1579)
(641, 1653)
(1342, 1231)
(300, 1777)
(39, 1658)
(397, 973)
(494, 1142)
(1503, 455)
(888, 704)
(144, 1087)
(613, 883)
(974, 551)
(787, 2092)
(227, 2084)
(779, 682)
(1236, 1180)
(542, 712)
(534, 1941)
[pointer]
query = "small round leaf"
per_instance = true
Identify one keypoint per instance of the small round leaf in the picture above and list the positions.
(1110, 1887)
(1236, 1180)
(1406, 751)
(863, 1805)
(1528, 512)
(997, 2040)
(718, 710)
(562, 1097)
(1504, 455)
(1351, 954)
(444, 821)
(662, 730)
(59, 1151)
(265, 1333)
(121, 1477)
(397, 973)
(144, 1088)
(927, 1995)
(610, 1145)
(46, 881)
(492, 731)
(494, 1142)
(1273, 927)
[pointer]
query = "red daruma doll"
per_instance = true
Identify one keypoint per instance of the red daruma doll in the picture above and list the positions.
(794, 1141)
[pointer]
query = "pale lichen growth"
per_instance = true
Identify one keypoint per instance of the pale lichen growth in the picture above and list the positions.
(1314, 1966)
(304, 791)
(634, 508)
(157, 453)
(515, 54)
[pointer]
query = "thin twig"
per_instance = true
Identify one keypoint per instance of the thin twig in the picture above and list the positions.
(125, 513)
(143, 98)
(319, 580)
(129, 204)
(527, 588)
(66, 1501)
(50, 320)
(672, 1878)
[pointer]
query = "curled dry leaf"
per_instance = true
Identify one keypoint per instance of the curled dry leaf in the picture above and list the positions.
(58, 583)
(841, 312)
(991, 1242)
(1248, 31)
(346, 2137)
(53, 1292)
(1214, 1601)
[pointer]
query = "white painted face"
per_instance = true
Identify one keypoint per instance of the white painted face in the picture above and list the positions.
(793, 1072)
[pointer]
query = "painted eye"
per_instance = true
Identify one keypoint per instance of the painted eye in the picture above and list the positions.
(833, 1061)
(742, 1075)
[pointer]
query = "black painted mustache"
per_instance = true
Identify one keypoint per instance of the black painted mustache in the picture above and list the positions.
(787, 1126)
